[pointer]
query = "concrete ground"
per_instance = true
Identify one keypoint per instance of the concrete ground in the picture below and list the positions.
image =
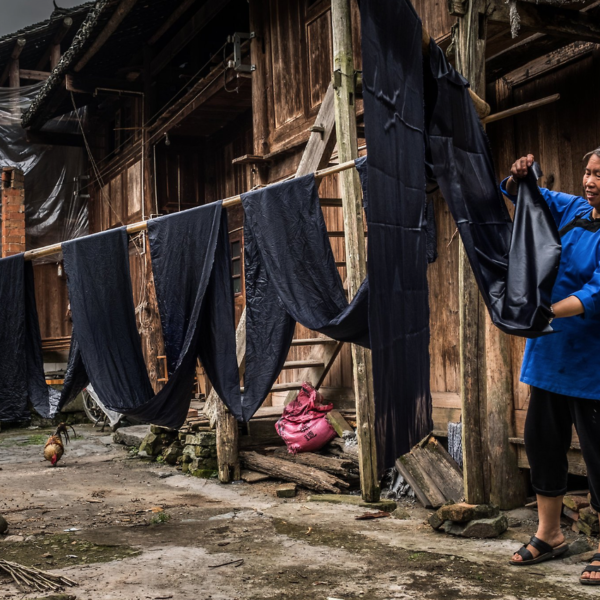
(128, 529)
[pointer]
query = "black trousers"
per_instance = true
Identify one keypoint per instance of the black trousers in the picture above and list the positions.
(548, 431)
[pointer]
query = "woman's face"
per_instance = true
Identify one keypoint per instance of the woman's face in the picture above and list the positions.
(591, 182)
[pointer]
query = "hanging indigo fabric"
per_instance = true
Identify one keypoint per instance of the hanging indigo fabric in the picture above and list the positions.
(290, 277)
(515, 266)
(21, 364)
(394, 174)
(106, 342)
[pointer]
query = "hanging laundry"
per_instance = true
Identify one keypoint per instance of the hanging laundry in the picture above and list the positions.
(290, 277)
(515, 264)
(394, 177)
(191, 275)
(21, 365)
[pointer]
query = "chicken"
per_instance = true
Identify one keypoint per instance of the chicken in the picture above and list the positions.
(54, 448)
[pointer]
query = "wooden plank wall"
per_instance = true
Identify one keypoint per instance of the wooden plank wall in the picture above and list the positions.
(52, 301)
(558, 135)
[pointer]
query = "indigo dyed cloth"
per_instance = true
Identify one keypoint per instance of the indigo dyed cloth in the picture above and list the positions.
(290, 277)
(564, 363)
(191, 271)
(515, 265)
(394, 177)
(22, 378)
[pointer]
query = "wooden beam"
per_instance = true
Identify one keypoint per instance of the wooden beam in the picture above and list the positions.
(516, 110)
(89, 85)
(354, 227)
(52, 53)
(14, 60)
(117, 18)
(560, 22)
(173, 18)
(200, 20)
(34, 75)
(470, 61)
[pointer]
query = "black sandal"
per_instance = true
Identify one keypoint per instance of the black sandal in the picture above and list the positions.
(547, 552)
(591, 569)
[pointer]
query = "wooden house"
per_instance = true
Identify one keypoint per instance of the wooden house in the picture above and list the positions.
(201, 100)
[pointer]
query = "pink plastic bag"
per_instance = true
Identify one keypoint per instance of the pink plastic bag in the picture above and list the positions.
(303, 425)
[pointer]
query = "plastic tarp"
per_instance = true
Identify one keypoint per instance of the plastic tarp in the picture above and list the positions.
(55, 204)
(21, 365)
(291, 277)
(515, 265)
(190, 262)
(397, 250)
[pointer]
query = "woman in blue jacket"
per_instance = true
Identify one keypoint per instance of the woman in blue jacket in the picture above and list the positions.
(561, 367)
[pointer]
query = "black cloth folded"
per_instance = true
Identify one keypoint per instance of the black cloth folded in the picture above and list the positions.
(21, 364)
(395, 180)
(515, 264)
(291, 277)
(190, 263)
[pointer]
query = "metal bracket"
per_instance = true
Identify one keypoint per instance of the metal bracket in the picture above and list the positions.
(236, 63)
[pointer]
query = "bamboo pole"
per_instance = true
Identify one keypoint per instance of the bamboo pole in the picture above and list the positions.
(504, 114)
(143, 225)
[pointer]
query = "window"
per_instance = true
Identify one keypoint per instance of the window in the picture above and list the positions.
(236, 266)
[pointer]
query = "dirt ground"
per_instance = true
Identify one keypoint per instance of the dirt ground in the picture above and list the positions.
(128, 529)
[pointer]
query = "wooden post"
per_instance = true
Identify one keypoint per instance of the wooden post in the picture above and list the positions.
(345, 117)
(470, 61)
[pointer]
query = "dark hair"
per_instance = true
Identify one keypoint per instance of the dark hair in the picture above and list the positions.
(596, 152)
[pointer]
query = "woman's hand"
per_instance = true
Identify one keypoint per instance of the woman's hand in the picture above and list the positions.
(518, 171)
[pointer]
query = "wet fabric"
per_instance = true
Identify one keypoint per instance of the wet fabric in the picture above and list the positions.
(562, 363)
(191, 272)
(394, 176)
(515, 264)
(21, 365)
(290, 277)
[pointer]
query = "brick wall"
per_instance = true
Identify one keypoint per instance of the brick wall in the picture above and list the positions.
(13, 212)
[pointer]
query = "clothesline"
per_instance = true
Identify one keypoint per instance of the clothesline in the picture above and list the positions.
(143, 225)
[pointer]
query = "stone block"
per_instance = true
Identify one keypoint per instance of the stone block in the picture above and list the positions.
(452, 528)
(157, 429)
(131, 436)
(151, 444)
(590, 516)
(172, 453)
(435, 520)
(202, 438)
(486, 528)
(185, 467)
(401, 513)
(461, 512)
(189, 452)
(575, 503)
(579, 546)
(3, 525)
(287, 490)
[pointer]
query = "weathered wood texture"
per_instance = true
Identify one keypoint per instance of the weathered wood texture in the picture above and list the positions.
(558, 134)
(340, 467)
(53, 318)
(308, 477)
(432, 474)
(354, 228)
(470, 61)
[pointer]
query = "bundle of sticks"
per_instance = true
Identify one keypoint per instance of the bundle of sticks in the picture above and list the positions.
(31, 578)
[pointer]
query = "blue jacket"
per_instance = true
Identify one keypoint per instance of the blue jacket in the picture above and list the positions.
(566, 362)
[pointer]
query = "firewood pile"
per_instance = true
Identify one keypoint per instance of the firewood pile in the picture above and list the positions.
(577, 509)
(331, 470)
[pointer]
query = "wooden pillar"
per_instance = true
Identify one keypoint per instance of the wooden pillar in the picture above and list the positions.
(260, 106)
(490, 462)
(470, 61)
(345, 117)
